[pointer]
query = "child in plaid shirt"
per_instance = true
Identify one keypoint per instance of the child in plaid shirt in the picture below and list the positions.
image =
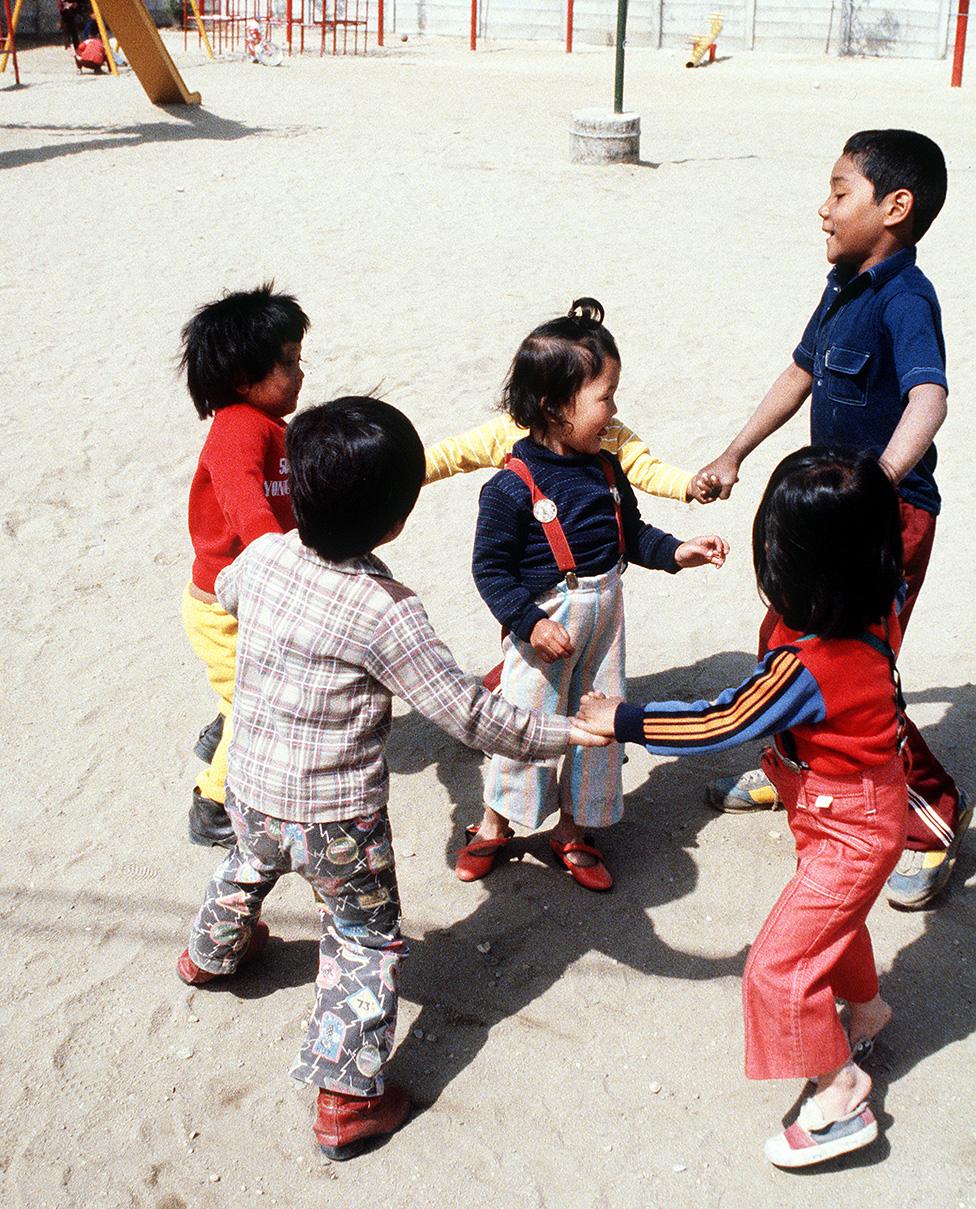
(326, 637)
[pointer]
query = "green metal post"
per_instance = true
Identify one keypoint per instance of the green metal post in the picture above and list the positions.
(618, 82)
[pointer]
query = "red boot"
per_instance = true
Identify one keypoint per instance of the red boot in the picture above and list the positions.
(345, 1124)
(193, 976)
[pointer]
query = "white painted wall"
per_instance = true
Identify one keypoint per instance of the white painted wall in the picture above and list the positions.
(906, 28)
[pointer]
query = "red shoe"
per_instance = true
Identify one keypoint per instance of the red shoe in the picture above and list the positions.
(345, 1124)
(592, 877)
(193, 976)
(475, 860)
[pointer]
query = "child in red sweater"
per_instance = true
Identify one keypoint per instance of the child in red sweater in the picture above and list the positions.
(242, 358)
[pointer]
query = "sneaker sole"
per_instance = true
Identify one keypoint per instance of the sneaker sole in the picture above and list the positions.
(206, 841)
(340, 1154)
(827, 1150)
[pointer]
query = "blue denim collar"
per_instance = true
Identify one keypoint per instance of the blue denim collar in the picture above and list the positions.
(843, 276)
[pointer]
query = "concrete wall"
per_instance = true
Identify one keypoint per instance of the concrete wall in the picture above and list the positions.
(905, 28)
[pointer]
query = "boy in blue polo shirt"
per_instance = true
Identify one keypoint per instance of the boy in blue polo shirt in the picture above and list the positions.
(872, 361)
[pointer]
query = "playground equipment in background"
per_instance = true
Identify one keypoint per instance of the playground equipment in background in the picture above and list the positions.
(705, 44)
(143, 47)
(959, 50)
(90, 59)
(9, 40)
(140, 42)
(341, 25)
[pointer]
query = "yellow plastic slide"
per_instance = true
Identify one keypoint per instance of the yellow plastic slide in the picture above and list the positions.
(148, 57)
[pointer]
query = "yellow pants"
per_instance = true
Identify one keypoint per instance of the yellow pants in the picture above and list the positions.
(213, 636)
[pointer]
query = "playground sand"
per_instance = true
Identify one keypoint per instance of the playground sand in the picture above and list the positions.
(566, 1050)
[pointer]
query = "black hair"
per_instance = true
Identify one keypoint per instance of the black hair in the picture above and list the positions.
(236, 341)
(826, 542)
(356, 466)
(553, 362)
(902, 159)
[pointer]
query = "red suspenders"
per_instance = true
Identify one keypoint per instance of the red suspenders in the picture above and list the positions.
(544, 511)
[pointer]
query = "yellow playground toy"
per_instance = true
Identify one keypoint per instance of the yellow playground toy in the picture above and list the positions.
(705, 44)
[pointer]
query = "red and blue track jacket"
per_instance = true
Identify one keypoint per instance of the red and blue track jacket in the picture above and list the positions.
(835, 696)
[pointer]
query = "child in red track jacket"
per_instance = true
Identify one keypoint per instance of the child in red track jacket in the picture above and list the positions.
(827, 550)
(241, 355)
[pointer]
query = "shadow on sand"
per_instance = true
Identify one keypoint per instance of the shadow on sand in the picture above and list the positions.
(194, 123)
(538, 924)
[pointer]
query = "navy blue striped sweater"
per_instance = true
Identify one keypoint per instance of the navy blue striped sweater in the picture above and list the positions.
(512, 562)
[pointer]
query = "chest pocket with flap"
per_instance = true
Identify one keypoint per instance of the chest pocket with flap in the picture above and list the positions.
(847, 375)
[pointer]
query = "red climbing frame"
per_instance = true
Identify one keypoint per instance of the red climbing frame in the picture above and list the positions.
(342, 25)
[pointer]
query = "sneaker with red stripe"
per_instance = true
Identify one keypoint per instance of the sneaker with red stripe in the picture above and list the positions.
(811, 1139)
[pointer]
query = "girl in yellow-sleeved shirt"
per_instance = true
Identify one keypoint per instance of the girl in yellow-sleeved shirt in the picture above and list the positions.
(489, 445)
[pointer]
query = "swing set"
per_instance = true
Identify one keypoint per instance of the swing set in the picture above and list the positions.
(138, 39)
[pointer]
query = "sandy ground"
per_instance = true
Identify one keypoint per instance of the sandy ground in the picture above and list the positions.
(422, 206)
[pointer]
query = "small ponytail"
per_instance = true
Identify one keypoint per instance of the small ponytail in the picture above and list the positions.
(587, 310)
(553, 362)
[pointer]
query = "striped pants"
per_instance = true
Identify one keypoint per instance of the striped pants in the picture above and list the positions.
(589, 783)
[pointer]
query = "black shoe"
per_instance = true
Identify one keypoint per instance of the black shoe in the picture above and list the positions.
(208, 739)
(209, 823)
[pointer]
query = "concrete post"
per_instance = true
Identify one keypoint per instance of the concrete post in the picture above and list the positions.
(599, 137)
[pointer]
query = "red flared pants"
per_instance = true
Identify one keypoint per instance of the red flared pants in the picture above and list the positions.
(814, 947)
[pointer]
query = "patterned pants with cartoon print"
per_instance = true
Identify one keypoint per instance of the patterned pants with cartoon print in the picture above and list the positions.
(350, 865)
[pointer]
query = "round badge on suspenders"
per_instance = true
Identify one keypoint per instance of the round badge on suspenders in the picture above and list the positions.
(544, 511)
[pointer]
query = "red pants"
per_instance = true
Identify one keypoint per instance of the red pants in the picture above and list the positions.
(815, 947)
(933, 795)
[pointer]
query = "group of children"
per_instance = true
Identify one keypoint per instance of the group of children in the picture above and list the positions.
(307, 635)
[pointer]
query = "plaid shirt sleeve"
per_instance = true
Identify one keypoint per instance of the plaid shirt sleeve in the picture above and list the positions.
(227, 587)
(408, 658)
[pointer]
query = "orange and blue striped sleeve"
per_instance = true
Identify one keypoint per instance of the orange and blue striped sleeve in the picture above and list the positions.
(779, 694)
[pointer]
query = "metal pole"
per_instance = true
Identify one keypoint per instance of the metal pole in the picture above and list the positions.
(10, 43)
(474, 24)
(569, 27)
(103, 34)
(379, 25)
(962, 20)
(618, 81)
(200, 26)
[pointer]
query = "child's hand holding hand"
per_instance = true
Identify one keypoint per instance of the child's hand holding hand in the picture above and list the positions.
(597, 714)
(550, 640)
(704, 488)
(716, 479)
(700, 551)
(580, 737)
